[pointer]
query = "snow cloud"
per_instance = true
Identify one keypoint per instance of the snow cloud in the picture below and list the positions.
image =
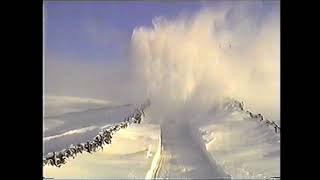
(198, 59)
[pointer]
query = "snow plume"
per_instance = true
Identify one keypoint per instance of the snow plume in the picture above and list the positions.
(196, 60)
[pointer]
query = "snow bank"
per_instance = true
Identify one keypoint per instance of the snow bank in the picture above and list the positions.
(156, 161)
(203, 146)
(244, 147)
(124, 158)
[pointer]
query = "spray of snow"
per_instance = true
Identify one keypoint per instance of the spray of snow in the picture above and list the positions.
(199, 59)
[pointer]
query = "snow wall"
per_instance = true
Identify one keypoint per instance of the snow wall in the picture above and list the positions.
(151, 174)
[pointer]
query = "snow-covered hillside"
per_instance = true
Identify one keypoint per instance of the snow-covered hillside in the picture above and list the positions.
(244, 147)
(80, 119)
(129, 156)
(58, 105)
(72, 120)
(222, 142)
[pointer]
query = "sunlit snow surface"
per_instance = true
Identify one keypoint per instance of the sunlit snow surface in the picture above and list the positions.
(126, 157)
(71, 120)
(244, 147)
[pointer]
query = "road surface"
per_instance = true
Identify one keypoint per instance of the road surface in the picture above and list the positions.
(182, 156)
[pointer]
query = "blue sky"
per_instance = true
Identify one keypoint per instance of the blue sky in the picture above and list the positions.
(100, 31)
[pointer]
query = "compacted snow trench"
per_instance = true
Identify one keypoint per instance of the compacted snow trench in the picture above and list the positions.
(182, 156)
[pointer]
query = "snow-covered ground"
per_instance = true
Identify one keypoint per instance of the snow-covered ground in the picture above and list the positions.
(72, 120)
(58, 105)
(222, 142)
(129, 156)
(184, 156)
(244, 147)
